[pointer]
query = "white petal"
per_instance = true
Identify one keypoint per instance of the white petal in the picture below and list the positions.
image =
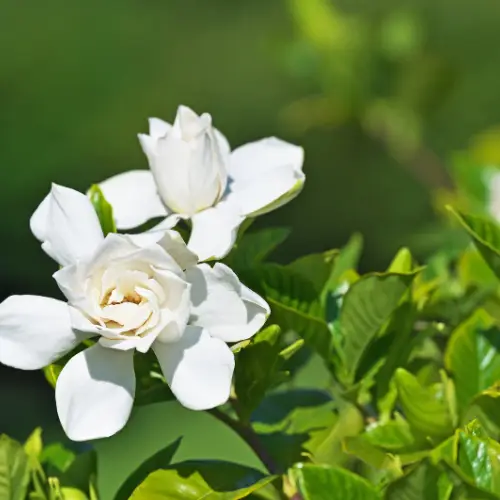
(170, 240)
(214, 231)
(134, 198)
(265, 175)
(220, 303)
(198, 368)
(158, 128)
(35, 331)
(67, 225)
(95, 393)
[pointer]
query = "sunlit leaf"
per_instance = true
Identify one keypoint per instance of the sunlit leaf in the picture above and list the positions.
(327, 483)
(14, 470)
(197, 479)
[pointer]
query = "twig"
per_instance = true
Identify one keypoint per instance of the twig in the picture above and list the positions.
(250, 437)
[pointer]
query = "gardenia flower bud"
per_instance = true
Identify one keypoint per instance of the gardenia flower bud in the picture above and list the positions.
(128, 293)
(194, 175)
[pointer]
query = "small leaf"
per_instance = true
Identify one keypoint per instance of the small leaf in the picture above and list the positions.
(159, 460)
(425, 409)
(402, 262)
(103, 209)
(34, 445)
(57, 456)
(201, 479)
(485, 234)
(473, 356)
(367, 306)
(291, 350)
(14, 470)
(316, 482)
(51, 373)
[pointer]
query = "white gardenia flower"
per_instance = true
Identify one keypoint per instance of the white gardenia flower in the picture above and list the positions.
(129, 294)
(194, 175)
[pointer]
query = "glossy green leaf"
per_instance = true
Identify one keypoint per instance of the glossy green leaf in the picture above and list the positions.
(254, 247)
(473, 357)
(316, 482)
(14, 470)
(425, 481)
(295, 304)
(195, 480)
(256, 369)
(367, 306)
(480, 460)
(159, 460)
(34, 444)
(425, 408)
(103, 209)
(51, 373)
(485, 234)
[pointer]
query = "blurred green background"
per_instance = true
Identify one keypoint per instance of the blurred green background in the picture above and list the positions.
(380, 94)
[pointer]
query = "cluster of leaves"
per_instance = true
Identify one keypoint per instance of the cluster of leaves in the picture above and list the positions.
(409, 408)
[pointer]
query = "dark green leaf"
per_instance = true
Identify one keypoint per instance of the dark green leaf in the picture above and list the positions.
(295, 304)
(254, 247)
(159, 460)
(423, 482)
(348, 259)
(14, 470)
(425, 408)
(201, 479)
(485, 234)
(367, 306)
(81, 471)
(316, 482)
(103, 209)
(473, 357)
(256, 369)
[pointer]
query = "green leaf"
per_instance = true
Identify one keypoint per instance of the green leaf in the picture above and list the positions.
(295, 304)
(347, 259)
(317, 268)
(14, 470)
(480, 460)
(485, 234)
(424, 482)
(51, 373)
(367, 306)
(316, 482)
(485, 408)
(81, 471)
(473, 357)
(159, 460)
(57, 456)
(103, 210)
(256, 369)
(295, 423)
(254, 247)
(34, 445)
(425, 408)
(402, 262)
(201, 479)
